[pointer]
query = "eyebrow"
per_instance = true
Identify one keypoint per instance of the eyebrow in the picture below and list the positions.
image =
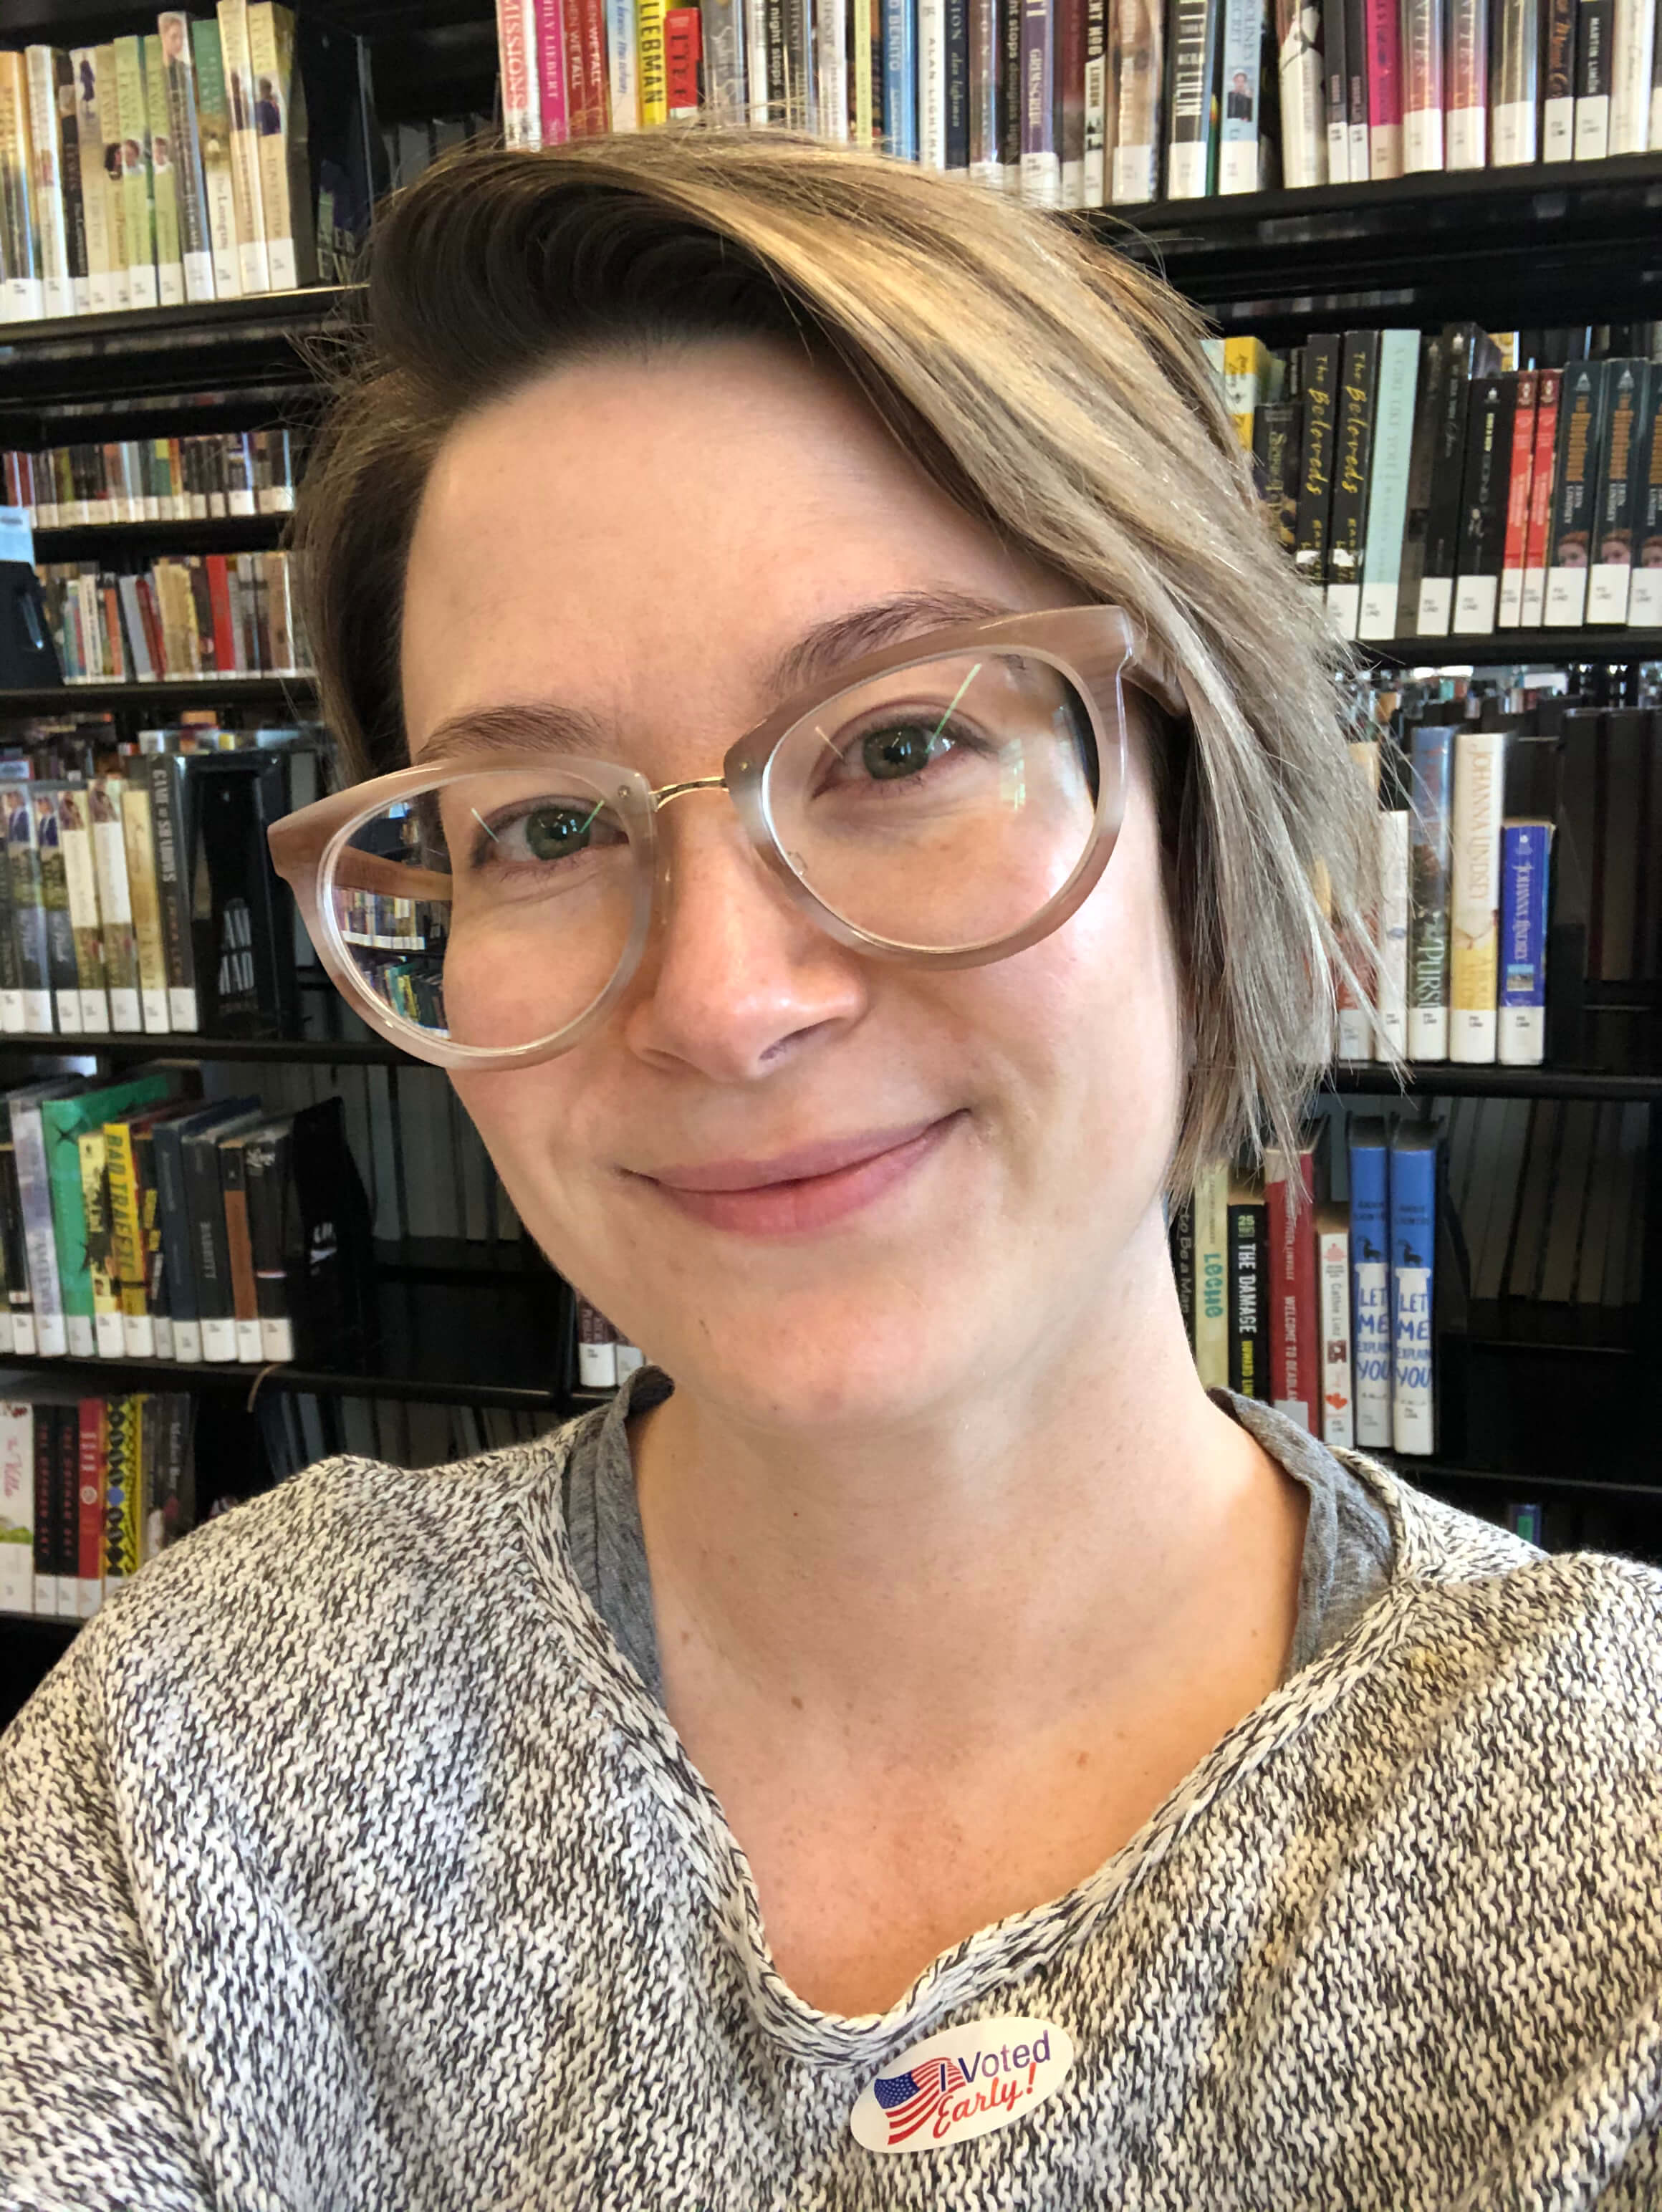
(548, 727)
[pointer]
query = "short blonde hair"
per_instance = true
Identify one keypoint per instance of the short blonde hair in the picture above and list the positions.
(1048, 384)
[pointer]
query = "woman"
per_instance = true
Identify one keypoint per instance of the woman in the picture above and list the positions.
(853, 771)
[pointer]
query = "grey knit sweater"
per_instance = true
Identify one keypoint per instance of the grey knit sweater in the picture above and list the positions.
(345, 1862)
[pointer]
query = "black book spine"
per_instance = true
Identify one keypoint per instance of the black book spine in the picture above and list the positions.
(1321, 378)
(1620, 489)
(1248, 1350)
(1442, 526)
(173, 1221)
(164, 772)
(19, 1301)
(1624, 743)
(210, 1252)
(266, 1172)
(1183, 1264)
(1487, 476)
(1355, 57)
(1280, 428)
(779, 109)
(1336, 85)
(958, 84)
(66, 1497)
(1594, 27)
(1355, 449)
(1558, 83)
(1569, 536)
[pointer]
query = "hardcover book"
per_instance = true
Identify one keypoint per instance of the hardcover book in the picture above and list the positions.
(1413, 1153)
(1295, 1346)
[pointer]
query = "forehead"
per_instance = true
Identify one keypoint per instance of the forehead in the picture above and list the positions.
(647, 542)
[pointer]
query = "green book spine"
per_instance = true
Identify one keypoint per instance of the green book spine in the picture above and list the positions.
(164, 179)
(63, 1121)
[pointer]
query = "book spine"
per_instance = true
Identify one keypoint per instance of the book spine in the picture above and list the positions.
(1142, 61)
(1357, 393)
(127, 1242)
(1189, 145)
(94, 185)
(174, 1222)
(174, 97)
(623, 59)
(57, 284)
(652, 81)
(218, 181)
(515, 60)
(1620, 489)
(44, 1438)
(1333, 1300)
(1239, 148)
(1336, 91)
(1212, 1277)
(1355, 1039)
(955, 76)
(1097, 112)
(12, 1018)
(1246, 1296)
(1510, 609)
(723, 41)
(1484, 512)
(164, 181)
(1289, 1194)
(28, 911)
(240, 1251)
(89, 1500)
(1525, 851)
(1645, 593)
(216, 1312)
(280, 132)
(17, 1513)
(139, 850)
(1592, 79)
(1384, 84)
(899, 78)
(138, 210)
(266, 1160)
(64, 975)
(124, 1490)
(1558, 81)
(1441, 544)
(1413, 1231)
(172, 888)
(597, 1364)
(1321, 358)
(1468, 89)
(1304, 119)
(1428, 941)
(21, 291)
(20, 1299)
(81, 885)
(112, 163)
(1515, 136)
(1180, 1240)
(1391, 982)
(1369, 1286)
(1474, 893)
(1068, 95)
(253, 264)
(1011, 99)
(1387, 497)
(1041, 160)
(40, 1236)
(1542, 480)
(1569, 549)
(100, 1254)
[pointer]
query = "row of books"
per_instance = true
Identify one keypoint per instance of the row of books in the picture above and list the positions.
(143, 901)
(152, 479)
(91, 1489)
(1084, 103)
(211, 614)
(164, 166)
(1432, 491)
(1471, 907)
(138, 1221)
(604, 1357)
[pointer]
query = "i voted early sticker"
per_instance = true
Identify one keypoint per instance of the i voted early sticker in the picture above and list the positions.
(963, 2082)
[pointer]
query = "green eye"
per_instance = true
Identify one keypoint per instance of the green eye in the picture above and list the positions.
(901, 750)
(553, 832)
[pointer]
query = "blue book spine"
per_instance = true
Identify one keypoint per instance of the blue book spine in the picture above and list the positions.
(1387, 504)
(1369, 1286)
(1413, 1240)
(1525, 850)
(900, 79)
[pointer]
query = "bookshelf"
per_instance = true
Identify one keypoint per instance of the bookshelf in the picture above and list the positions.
(1565, 1408)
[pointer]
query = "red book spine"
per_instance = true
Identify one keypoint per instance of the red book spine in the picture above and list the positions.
(597, 84)
(1384, 89)
(681, 51)
(1517, 491)
(576, 94)
(1540, 495)
(219, 599)
(155, 636)
(1295, 1372)
(90, 1526)
(112, 599)
(551, 72)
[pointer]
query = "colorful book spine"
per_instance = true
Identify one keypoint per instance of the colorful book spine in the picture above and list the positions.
(1467, 132)
(253, 263)
(1431, 813)
(138, 212)
(280, 135)
(1212, 1276)
(1096, 110)
(1238, 129)
(1384, 89)
(1424, 33)
(1333, 1305)
(100, 1245)
(1517, 83)
(218, 181)
(1041, 158)
(95, 189)
(20, 293)
(1474, 893)
(71, 182)
(178, 103)
(112, 157)
(1370, 1283)
(1620, 488)
(1135, 100)
(63, 972)
(623, 58)
(16, 1506)
(1395, 866)
(652, 81)
(127, 1242)
(47, 198)
(92, 1446)
(1510, 607)
(164, 179)
(1525, 852)
(1543, 464)
(1248, 1359)
(516, 34)
(1413, 1236)
(1294, 1351)
(1387, 498)
(1580, 438)
(1067, 86)
(900, 80)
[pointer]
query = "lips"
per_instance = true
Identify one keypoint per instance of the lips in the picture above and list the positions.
(827, 1157)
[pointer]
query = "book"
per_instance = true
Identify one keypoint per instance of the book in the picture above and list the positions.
(1616, 501)
(131, 794)
(99, 1245)
(1041, 158)
(1246, 1227)
(1431, 823)
(1426, 25)
(1295, 1346)
(47, 196)
(1514, 135)
(16, 1506)
(138, 211)
(1333, 1321)
(725, 95)
(1137, 39)
(266, 1168)
(88, 1430)
(1482, 521)
(1094, 187)
(17, 1332)
(94, 187)
(279, 123)
(1370, 1282)
(1191, 128)
(124, 1488)
(1468, 92)
(1592, 79)
(652, 81)
(28, 907)
(1358, 380)
(597, 1366)
(1321, 377)
(1240, 140)
(1525, 851)
(1645, 589)
(239, 1244)
(172, 94)
(174, 1228)
(1412, 1180)
(213, 115)
(1337, 91)
(253, 262)
(1387, 495)
(1384, 89)
(118, 940)
(1068, 92)
(63, 972)
(1211, 1230)
(163, 776)
(1629, 845)
(108, 109)
(1300, 75)
(1394, 893)
(12, 1020)
(899, 78)
(48, 1509)
(39, 1233)
(62, 1122)
(164, 182)
(1509, 606)
(1355, 1024)
(1580, 442)
(81, 885)
(1543, 473)
(1180, 1239)
(20, 293)
(211, 1257)
(65, 115)
(1474, 893)
(1471, 354)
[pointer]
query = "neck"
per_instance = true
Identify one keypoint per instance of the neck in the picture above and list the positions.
(1063, 1515)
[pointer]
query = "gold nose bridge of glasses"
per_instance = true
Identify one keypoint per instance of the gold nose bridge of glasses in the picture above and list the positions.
(668, 791)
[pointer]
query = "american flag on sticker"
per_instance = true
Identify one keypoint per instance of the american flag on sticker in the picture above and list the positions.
(911, 2101)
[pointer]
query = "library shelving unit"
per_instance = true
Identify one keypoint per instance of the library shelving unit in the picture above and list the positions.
(1548, 1413)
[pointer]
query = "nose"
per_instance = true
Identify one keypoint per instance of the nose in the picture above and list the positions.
(736, 980)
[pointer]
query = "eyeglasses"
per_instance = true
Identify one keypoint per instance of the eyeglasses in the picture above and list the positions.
(952, 802)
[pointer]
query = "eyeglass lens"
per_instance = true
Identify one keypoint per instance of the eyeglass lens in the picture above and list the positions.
(934, 808)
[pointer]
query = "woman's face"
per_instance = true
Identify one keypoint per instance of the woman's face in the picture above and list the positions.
(644, 541)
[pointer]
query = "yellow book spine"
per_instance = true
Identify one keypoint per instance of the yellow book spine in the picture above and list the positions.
(1245, 366)
(654, 83)
(133, 123)
(126, 1230)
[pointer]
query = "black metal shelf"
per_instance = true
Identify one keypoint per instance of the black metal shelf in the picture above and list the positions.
(1421, 1471)
(1449, 1080)
(297, 692)
(180, 1044)
(1526, 647)
(115, 541)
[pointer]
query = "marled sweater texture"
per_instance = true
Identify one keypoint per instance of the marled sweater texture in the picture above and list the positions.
(345, 1862)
